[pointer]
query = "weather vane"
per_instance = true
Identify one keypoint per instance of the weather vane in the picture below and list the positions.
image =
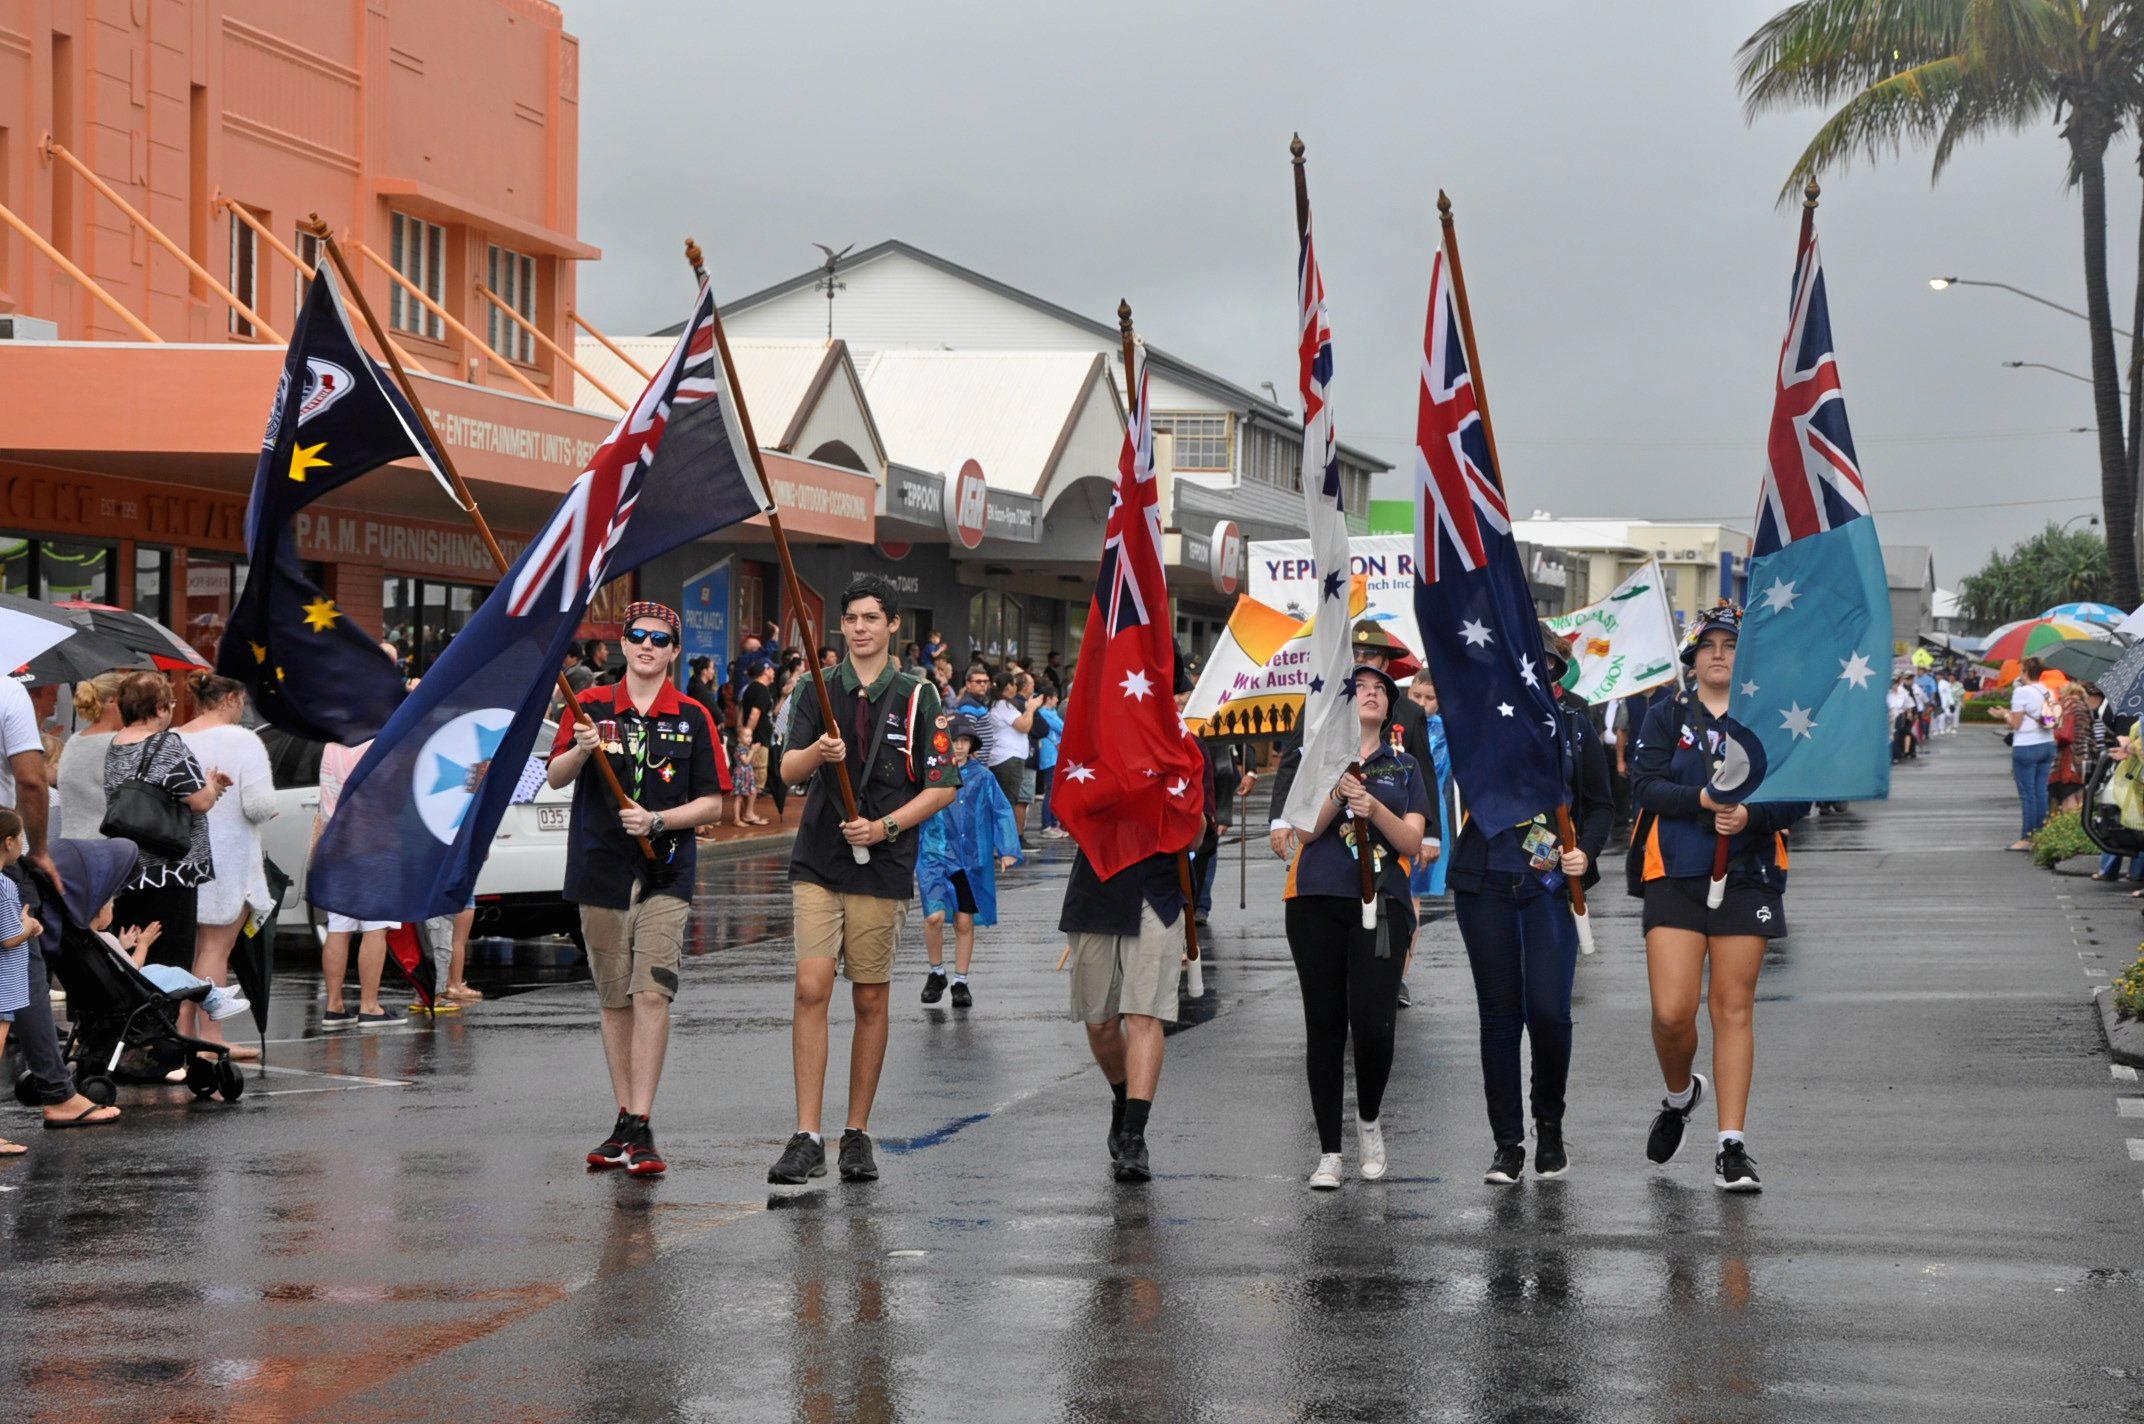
(829, 280)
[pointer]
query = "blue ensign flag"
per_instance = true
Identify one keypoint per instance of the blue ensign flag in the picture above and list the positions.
(1479, 634)
(417, 817)
(1813, 662)
(310, 669)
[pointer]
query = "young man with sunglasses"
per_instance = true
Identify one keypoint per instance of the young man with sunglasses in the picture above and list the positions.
(663, 747)
(889, 731)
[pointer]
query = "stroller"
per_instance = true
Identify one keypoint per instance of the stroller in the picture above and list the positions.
(112, 1008)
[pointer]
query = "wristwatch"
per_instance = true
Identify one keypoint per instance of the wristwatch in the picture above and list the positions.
(655, 824)
(893, 829)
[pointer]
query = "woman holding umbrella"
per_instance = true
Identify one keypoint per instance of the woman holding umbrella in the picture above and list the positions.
(1673, 858)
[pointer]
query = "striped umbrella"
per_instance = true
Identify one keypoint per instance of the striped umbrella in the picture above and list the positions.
(2103, 615)
(2032, 636)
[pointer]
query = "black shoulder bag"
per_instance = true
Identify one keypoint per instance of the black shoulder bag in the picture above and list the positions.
(147, 814)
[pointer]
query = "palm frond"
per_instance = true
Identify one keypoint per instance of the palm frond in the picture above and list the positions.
(1980, 107)
(1879, 121)
(1815, 51)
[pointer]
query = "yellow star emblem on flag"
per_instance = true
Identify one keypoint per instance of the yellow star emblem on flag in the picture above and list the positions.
(260, 651)
(320, 615)
(306, 457)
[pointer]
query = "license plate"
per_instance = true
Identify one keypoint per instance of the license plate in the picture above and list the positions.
(551, 818)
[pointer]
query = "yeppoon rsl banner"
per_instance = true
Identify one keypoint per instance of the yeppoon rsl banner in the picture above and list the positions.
(1262, 662)
(1623, 644)
(1284, 576)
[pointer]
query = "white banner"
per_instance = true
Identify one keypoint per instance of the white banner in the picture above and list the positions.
(1283, 576)
(1624, 644)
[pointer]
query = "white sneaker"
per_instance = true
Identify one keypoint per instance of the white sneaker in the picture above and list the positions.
(1370, 1144)
(227, 1004)
(1327, 1177)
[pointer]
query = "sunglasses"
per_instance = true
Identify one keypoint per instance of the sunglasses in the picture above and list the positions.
(656, 636)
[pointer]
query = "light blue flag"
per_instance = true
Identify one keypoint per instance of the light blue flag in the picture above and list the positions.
(1813, 667)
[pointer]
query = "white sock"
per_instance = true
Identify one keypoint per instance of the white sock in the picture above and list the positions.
(1682, 1099)
(959, 978)
(813, 1136)
(1727, 1137)
(934, 969)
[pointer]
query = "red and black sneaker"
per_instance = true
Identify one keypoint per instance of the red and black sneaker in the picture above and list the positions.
(641, 1158)
(611, 1151)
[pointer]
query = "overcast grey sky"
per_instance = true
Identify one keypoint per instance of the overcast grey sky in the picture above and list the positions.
(1627, 265)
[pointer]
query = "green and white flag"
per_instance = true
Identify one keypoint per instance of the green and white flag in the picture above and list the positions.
(1623, 644)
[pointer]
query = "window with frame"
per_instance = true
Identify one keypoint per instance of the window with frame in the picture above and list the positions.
(312, 252)
(512, 278)
(418, 250)
(245, 275)
(1201, 440)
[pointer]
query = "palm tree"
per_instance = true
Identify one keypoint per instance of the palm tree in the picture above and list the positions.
(1944, 72)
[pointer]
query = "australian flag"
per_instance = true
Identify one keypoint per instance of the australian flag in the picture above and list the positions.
(1480, 637)
(310, 668)
(1130, 780)
(416, 819)
(1813, 662)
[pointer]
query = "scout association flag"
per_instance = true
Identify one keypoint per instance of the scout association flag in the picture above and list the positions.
(416, 819)
(310, 669)
(1626, 643)
(1812, 665)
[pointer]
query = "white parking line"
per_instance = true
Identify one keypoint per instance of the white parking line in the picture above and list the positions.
(2122, 1072)
(2136, 1149)
(2129, 1107)
(336, 1082)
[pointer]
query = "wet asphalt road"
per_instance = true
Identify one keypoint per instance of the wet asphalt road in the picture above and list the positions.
(397, 1227)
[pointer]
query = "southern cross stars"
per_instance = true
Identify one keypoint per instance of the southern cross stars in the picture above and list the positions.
(1332, 584)
(1749, 689)
(1075, 772)
(1505, 709)
(1136, 686)
(1797, 720)
(1526, 672)
(1476, 633)
(306, 457)
(1780, 596)
(1855, 670)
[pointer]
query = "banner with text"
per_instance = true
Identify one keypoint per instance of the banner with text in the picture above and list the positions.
(1285, 577)
(1625, 643)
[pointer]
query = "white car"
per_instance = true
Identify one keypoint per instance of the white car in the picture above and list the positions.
(519, 890)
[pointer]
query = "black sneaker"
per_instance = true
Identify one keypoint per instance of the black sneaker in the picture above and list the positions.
(1116, 1144)
(1131, 1158)
(1406, 1000)
(1665, 1140)
(641, 1158)
(857, 1163)
(382, 1019)
(933, 986)
(610, 1152)
(1508, 1165)
(333, 1019)
(962, 999)
(1732, 1171)
(1550, 1160)
(803, 1158)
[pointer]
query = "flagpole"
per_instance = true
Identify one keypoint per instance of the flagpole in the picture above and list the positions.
(1564, 830)
(1183, 857)
(861, 854)
(467, 501)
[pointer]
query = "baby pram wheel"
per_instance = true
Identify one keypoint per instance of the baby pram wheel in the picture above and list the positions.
(99, 1089)
(26, 1090)
(230, 1081)
(200, 1075)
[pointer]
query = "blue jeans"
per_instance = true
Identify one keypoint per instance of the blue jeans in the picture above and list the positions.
(1523, 948)
(2030, 766)
(1202, 873)
(2110, 867)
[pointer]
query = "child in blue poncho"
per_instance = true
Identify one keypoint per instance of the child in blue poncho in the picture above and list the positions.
(963, 848)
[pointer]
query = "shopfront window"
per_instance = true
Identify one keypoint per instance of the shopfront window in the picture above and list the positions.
(997, 625)
(421, 616)
(152, 582)
(1201, 440)
(212, 584)
(58, 569)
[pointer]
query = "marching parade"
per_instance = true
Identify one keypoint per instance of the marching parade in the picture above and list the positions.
(895, 625)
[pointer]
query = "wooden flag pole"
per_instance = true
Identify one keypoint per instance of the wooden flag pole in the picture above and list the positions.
(461, 490)
(1564, 830)
(861, 854)
(1184, 879)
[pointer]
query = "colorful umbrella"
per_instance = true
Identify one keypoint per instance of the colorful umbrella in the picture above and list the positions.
(2031, 637)
(136, 631)
(2104, 615)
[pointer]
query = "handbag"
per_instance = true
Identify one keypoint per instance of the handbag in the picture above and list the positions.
(145, 813)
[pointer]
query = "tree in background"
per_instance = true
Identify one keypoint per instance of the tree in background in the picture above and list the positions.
(1945, 72)
(2053, 566)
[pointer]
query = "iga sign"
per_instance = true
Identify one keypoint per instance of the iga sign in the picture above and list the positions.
(1224, 557)
(967, 506)
(1284, 576)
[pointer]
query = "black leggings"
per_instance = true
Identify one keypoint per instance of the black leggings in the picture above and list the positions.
(1347, 988)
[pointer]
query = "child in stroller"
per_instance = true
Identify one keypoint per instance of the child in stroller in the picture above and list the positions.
(114, 1005)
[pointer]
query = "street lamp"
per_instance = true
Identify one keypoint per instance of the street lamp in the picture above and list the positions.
(2043, 366)
(1941, 283)
(2075, 517)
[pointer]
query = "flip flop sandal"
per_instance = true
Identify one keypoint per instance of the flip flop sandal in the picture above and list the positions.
(11, 1149)
(245, 1053)
(84, 1118)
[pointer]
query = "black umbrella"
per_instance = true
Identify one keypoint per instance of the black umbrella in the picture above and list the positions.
(2124, 683)
(253, 957)
(2083, 661)
(137, 631)
(81, 658)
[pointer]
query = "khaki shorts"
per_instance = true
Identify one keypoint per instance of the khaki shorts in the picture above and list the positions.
(1128, 974)
(635, 950)
(861, 929)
